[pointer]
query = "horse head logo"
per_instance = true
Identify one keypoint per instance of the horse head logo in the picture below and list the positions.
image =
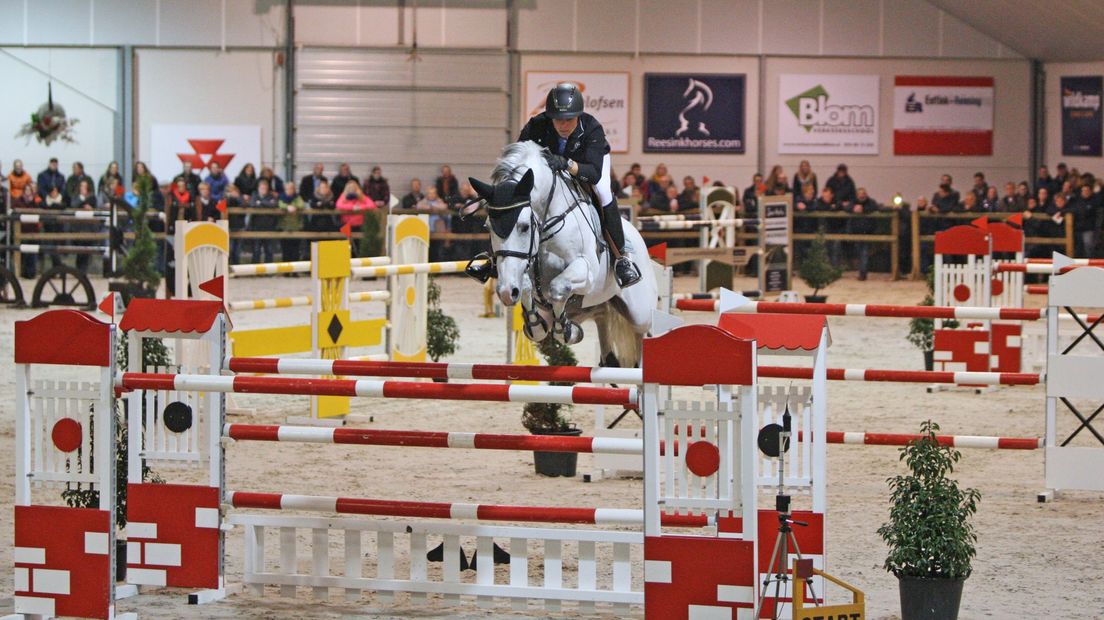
(699, 99)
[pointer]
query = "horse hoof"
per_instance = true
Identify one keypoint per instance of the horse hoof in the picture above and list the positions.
(572, 333)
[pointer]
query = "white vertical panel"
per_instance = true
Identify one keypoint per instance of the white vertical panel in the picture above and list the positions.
(668, 28)
(791, 27)
(190, 22)
(124, 22)
(606, 25)
(475, 24)
(252, 23)
(730, 26)
(378, 26)
(963, 41)
(61, 22)
(333, 22)
(546, 25)
(431, 26)
(851, 27)
(11, 27)
(911, 28)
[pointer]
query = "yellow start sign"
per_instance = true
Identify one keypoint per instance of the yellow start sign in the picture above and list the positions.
(803, 571)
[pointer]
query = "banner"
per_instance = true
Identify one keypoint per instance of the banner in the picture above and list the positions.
(942, 115)
(1081, 120)
(828, 114)
(605, 97)
(232, 146)
(694, 113)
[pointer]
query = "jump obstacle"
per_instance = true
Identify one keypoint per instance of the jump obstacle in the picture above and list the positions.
(712, 480)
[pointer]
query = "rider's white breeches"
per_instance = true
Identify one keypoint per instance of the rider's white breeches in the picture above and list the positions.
(602, 188)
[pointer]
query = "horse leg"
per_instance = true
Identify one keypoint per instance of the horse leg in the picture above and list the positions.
(571, 281)
(537, 323)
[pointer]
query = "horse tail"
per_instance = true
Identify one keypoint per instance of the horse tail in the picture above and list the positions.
(625, 344)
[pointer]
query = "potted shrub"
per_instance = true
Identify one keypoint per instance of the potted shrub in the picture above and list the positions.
(922, 331)
(371, 236)
(442, 332)
(817, 270)
(930, 537)
(548, 418)
(77, 495)
(139, 269)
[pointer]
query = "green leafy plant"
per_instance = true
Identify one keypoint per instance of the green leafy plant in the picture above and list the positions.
(549, 417)
(816, 269)
(140, 265)
(442, 332)
(371, 237)
(921, 330)
(929, 531)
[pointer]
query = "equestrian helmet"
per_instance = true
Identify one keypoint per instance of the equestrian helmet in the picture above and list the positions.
(564, 102)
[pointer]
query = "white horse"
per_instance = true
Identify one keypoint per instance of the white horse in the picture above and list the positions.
(545, 240)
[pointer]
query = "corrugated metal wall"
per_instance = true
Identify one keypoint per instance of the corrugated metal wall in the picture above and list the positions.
(379, 107)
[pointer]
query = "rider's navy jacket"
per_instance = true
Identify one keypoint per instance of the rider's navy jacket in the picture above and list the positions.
(586, 146)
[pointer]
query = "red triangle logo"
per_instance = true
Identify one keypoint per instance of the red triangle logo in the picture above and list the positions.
(221, 206)
(214, 286)
(1016, 219)
(107, 306)
(982, 222)
(347, 230)
(659, 252)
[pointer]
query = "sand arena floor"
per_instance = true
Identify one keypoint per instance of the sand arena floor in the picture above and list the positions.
(1037, 559)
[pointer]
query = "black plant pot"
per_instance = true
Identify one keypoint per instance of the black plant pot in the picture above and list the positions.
(930, 599)
(120, 559)
(816, 299)
(929, 360)
(557, 463)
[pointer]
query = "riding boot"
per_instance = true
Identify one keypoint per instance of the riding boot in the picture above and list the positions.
(481, 271)
(624, 270)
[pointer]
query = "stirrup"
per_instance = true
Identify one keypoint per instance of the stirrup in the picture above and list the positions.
(631, 273)
(482, 272)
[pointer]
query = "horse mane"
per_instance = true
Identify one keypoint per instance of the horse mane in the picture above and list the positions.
(515, 159)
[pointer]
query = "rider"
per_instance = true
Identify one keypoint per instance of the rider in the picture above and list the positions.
(577, 144)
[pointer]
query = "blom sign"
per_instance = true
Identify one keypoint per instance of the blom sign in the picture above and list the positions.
(942, 115)
(828, 114)
(605, 97)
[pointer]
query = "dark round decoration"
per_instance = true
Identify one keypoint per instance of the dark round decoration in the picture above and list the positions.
(177, 417)
(768, 440)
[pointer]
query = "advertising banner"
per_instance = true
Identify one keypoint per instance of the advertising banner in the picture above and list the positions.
(942, 115)
(605, 97)
(232, 146)
(828, 114)
(1081, 120)
(694, 113)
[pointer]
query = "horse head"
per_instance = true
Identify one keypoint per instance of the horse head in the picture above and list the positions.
(513, 231)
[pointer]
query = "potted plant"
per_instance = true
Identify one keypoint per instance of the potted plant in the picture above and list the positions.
(922, 331)
(139, 269)
(442, 332)
(817, 270)
(77, 495)
(548, 418)
(371, 239)
(930, 537)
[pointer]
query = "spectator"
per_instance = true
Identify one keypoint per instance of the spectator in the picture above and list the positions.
(191, 179)
(806, 203)
(690, 196)
(970, 203)
(308, 187)
(55, 199)
(447, 185)
(991, 203)
(218, 182)
(263, 250)
(206, 205)
(83, 195)
(669, 199)
(827, 200)
(752, 194)
(414, 196)
(1061, 175)
(234, 200)
(1086, 210)
(83, 198)
(28, 200)
(943, 201)
(828, 203)
(19, 183)
(142, 171)
(353, 200)
(633, 179)
(322, 207)
(344, 175)
(653, 186)
(1043, 199)
(50, 178)
(439, 221)
(776, 183)
(274, 181)
(247, 180)
(843, 187)
(110, 195)
(378, 189)
(291, 222)
(804, 177)
(1067, 191)
(981, 188)
(948, 180)
(112, 173)
(1044, 180)
(182, 207)
(1015, 197)
(658, 199)
(72, 184)
(864, 205)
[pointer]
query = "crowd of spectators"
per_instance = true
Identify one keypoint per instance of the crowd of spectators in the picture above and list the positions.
(320, 203)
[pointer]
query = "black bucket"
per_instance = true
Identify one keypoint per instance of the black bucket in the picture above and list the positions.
(557, 463)
(930, 599)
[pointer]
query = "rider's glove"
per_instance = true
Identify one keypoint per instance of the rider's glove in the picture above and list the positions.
(558, 163)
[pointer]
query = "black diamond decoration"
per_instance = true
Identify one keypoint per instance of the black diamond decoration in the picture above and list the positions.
(334, 329)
